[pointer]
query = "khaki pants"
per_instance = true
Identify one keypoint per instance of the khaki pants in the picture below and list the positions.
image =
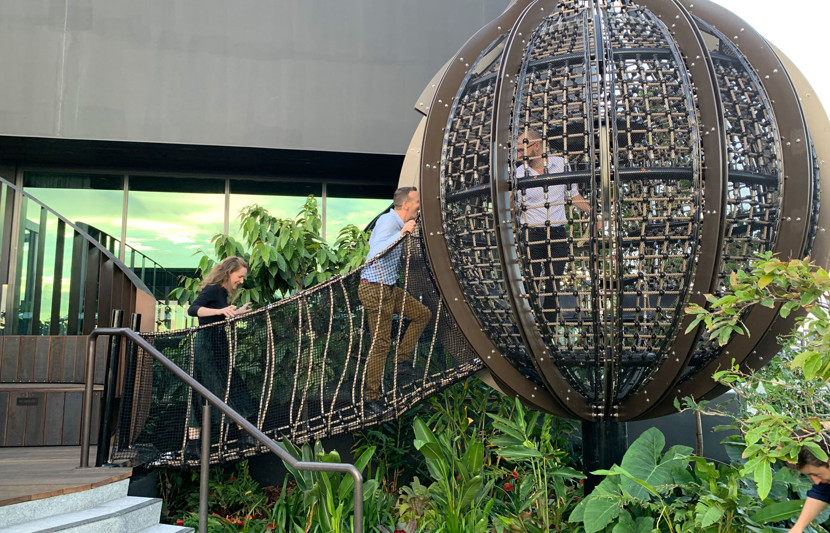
(380, 302)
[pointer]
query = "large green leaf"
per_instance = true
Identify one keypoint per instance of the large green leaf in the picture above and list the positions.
(517, 452)
(599, 512)
(643, 461)
(778, 512)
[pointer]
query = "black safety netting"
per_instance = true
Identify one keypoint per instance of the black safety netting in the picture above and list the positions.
(299, 368)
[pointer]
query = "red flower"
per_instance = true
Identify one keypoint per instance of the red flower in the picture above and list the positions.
(179, 522)
(400, 531)
(514, 474)
(507, 486)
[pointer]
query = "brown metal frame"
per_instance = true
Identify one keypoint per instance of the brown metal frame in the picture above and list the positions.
(523, 314)
(655, 396)
(508, 378)
(713, 180)
(797, 200)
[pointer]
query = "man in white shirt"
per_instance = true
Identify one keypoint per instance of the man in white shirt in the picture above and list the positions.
(542, 214)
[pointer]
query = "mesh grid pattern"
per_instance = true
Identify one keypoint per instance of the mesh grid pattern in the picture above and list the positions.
(752, 195)
(632, 271)
(297, 368)
(469, 224)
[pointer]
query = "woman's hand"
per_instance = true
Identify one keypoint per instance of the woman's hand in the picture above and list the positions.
(228, 311)
(244, 309)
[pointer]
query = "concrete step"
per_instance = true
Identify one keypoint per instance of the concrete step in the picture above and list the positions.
(165, 528)
(128, 514)
(19, 513)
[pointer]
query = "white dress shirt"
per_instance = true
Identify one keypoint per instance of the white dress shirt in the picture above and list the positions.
(535, 197)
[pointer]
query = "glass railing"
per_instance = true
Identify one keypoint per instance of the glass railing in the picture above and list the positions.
(56, 278)
(160, 281)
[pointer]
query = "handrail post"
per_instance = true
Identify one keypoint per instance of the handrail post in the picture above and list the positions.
(108, 396)
(204, 465)
(86, 415)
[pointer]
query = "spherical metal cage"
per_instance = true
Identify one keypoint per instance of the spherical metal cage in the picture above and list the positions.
(588, 169)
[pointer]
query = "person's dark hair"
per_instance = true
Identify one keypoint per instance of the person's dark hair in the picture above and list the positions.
(221, 273)
(806, 457)
(401, 195)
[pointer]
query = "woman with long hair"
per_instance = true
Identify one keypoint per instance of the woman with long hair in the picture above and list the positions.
(211, 353)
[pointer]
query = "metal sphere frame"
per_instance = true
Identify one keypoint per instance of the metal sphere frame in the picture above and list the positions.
(682, 128)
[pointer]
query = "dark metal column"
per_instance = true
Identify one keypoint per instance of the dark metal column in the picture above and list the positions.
(603, 444)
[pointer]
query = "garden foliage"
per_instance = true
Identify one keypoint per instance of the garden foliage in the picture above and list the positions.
(786, 406)
(284, 256)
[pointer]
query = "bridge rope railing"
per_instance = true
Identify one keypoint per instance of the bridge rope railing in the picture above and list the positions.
(297, 369)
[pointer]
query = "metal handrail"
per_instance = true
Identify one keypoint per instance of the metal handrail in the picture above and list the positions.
(86, 420)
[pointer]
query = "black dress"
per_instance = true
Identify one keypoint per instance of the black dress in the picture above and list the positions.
(211, 361)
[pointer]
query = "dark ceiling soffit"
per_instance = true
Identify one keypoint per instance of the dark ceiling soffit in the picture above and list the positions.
(383, 169)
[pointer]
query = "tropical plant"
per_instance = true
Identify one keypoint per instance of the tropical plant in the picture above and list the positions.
(460, 488)
(671, 491)
(283, 255)
(543, 485)
(328, 498)
(787, 410)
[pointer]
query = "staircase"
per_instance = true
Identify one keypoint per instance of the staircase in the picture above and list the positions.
(104, 509)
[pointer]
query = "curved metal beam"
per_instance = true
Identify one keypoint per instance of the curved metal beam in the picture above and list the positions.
(713, 180)
(432, 217)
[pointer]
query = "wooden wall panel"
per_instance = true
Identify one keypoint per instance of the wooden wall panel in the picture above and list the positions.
(42, 359)
(4, 408)
(8, 359)
(35, 415)
(15, 421)
(53, 422)
(26, 360)
(50, 410)
(72, 418)
(68, 367)
(56, 349)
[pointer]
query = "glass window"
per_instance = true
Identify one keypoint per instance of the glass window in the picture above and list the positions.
(354, 204)
(169, 219)
(88, 200)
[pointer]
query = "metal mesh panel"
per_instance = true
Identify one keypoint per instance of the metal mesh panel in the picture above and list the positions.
(469, 224)
(298, 368)
(618, 284)
(752, 194)
(551, 169)
(658, 183)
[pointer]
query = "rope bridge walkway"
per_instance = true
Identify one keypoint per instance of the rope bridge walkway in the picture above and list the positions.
(301, 368)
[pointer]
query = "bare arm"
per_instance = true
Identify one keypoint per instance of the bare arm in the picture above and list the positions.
(812, 508)
(581, 203)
